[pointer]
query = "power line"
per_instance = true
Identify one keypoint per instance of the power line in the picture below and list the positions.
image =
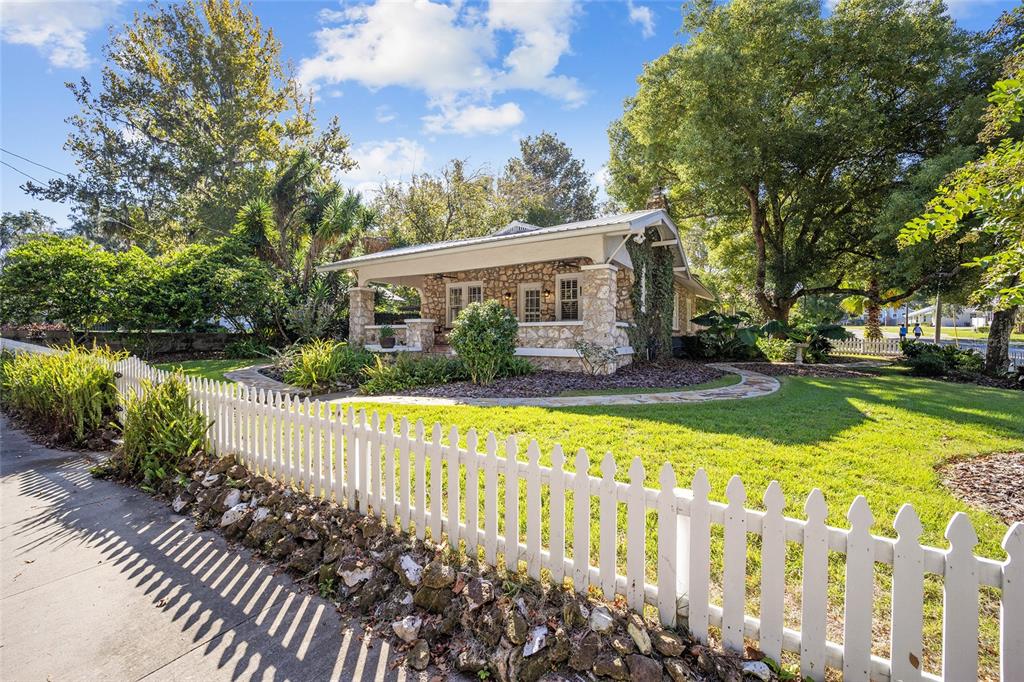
(18, 170)
(34, 163)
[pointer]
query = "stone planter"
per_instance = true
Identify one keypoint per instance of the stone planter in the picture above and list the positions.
(387, 342)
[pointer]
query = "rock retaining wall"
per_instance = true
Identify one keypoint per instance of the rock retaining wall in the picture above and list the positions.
(441, 609)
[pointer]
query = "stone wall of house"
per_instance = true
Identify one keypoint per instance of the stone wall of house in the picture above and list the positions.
(497, 281)
(549, 335)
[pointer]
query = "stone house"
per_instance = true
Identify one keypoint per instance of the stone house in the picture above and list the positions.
(564, 283)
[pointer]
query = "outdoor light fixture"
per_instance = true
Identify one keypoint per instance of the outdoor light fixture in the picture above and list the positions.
(547, 294)
(508, 295)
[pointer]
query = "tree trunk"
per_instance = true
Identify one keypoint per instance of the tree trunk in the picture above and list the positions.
(997, 356)
(938, 318)
(873, 323)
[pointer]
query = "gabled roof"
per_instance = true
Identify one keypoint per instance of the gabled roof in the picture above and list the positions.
(634, 220)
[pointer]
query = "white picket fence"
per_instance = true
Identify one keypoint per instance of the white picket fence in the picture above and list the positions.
(857, 346)
(414, 478)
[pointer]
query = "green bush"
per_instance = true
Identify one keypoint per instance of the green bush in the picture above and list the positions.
(72, 391)
(517, 366)
(928, 359)
(484, 336)
(161, 430)
(408, 371)
(777, 350)
(323, 364)
(727, 337)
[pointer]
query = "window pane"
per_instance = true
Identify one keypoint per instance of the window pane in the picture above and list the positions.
(569, 294)
(531, 305)
(476, 294)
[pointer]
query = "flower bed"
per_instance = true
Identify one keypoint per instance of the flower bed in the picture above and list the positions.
(542, 384)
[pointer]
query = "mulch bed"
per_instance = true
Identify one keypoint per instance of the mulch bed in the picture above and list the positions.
(544, 384)
(791, 370)
(992, 483)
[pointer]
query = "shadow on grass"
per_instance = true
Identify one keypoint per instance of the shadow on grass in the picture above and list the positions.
(810, 411)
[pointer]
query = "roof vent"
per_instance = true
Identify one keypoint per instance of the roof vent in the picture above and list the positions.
(514, 227)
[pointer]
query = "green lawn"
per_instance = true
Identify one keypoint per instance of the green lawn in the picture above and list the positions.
(947, 332)
(726, 380)
(210, 369)
(881, 436)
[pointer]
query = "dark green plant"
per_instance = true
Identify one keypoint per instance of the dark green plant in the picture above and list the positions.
(651, 297)
(928, 359)
(161, 430)
(390, 375)
(72, 391)
(387, 332)
(727, 336)
(484, 336)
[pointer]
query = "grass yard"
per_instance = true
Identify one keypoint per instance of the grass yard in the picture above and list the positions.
(727, 380)
(881, 436)
(210, 369)
(929, 333)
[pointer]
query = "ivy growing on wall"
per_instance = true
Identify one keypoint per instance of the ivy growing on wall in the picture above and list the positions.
(651, 296)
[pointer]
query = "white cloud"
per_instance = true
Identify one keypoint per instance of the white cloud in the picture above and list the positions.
(384, 114)
(474, 119)
(642, 15)
(452, 53)
(57, 29)
(382, 160)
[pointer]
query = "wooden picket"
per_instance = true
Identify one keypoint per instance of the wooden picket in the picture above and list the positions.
(351, 458)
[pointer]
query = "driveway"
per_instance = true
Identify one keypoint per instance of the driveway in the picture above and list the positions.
(100, 581)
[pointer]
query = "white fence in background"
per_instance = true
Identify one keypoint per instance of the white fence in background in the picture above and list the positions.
(398, 470)
(857, 346)
(416, 479)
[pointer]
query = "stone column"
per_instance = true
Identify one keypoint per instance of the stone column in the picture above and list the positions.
(360, 314)
(598, 295)
(420, 332)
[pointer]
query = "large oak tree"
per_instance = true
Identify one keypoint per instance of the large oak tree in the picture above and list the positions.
(786, 129)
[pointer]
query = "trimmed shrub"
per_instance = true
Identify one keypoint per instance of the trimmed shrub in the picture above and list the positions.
(161, 430)
(484, 336)
(247, 348)
(72, 391)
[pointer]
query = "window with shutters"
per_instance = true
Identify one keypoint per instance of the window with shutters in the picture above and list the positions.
(568, 303)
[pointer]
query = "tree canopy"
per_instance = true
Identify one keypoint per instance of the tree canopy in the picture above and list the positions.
(547, 185)
(785, 131)
(193, 111)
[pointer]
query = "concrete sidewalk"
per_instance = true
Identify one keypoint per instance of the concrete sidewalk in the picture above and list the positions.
(100, 581)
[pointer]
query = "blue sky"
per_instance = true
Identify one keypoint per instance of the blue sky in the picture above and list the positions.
(414, 83)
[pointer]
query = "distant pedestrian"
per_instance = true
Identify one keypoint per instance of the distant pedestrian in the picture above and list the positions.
(918, 331)
(903, 332)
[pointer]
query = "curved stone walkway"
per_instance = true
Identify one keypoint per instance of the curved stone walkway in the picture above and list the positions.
(751, 385)
(251, 377)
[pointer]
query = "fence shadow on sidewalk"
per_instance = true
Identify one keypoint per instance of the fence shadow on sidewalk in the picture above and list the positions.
(242, 619)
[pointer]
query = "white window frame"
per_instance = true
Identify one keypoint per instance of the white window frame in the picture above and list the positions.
(464, 287)
(521, 308)
(558, 294)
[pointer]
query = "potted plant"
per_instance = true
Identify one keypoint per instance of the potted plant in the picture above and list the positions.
(387, 337)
